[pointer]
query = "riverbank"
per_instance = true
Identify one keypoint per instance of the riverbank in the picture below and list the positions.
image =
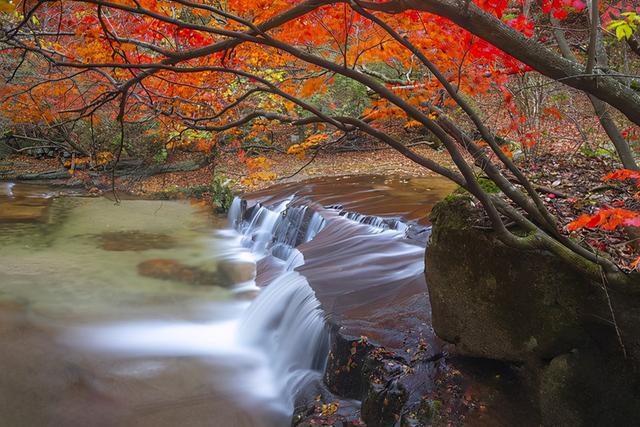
(287, 168)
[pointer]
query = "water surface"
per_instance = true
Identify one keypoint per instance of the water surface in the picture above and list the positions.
(85, 339)
(147, 313)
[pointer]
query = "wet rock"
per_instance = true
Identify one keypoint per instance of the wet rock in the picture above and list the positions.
(343, 374)
(429, 413)
(134, 241)
(168, 269)
(383, 404)
(336, 413)
(501, 303)
(388, 385)
(233, 272)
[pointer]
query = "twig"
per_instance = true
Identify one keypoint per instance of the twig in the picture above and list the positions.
(613, 315)
(313, 158)
(303, 166)
(602, 188)
(545, 189)
(551, 190)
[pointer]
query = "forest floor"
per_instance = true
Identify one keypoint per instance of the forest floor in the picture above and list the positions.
(287, 168)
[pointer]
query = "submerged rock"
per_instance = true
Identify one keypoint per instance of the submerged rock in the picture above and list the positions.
(133, 240)
(168, 269)
(233, 272)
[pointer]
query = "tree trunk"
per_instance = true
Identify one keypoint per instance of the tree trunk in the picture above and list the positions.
(621, 146)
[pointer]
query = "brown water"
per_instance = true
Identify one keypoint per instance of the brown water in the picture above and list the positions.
(387, 196)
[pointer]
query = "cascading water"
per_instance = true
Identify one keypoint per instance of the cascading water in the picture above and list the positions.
(279, 341)
(285, 320)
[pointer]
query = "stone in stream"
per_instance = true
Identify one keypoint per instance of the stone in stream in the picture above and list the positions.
(24, 212)
(133, 240)
(233, 272)
(169, 269)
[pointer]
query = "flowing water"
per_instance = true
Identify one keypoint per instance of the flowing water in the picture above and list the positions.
(156, 313)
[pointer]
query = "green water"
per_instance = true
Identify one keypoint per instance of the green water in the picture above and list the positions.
(72, 262)
(79, 259)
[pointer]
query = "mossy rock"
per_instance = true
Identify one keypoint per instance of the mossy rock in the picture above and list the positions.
(528, 306)
(501, 303)
(587, 389)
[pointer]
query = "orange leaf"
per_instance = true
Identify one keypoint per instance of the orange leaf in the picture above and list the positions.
(622, 175)
(608, 219)
(506, 150)
(579, 223)
(553, 112)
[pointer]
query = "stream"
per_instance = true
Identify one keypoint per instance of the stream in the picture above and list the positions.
(160, 313)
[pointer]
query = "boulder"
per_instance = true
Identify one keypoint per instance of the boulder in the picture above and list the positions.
(497, 302)
(529, 307)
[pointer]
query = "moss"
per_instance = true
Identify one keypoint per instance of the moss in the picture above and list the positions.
(453, 212)
(488, 186)
(430, 410)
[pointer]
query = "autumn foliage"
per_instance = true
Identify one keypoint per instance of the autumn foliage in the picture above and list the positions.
(206, 75)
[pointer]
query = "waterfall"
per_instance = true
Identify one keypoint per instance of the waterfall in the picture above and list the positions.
(285, 320)
(287, 323)
(275, 230)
